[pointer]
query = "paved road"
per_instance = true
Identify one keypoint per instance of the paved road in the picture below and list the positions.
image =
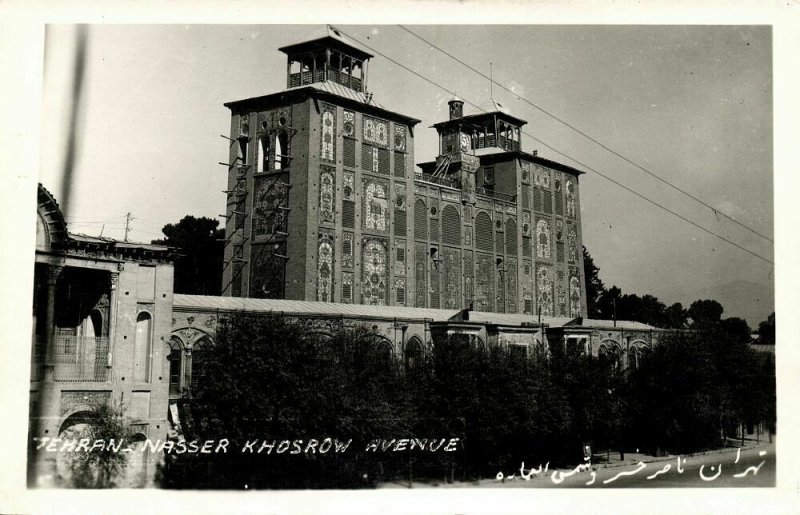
(754, 468)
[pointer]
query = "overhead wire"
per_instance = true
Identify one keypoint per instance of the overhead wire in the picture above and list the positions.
(614, 181)
(715, 210)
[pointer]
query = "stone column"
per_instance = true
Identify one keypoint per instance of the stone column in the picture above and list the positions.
(186, 373)
(113, 281)
(53, 275)
(46, 419)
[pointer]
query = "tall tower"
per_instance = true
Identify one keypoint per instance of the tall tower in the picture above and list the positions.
(318, 183)
(521, 244)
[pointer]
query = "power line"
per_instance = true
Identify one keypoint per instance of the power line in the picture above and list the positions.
(443, 88)
(127, 224)
(93, 219)
(587, 136)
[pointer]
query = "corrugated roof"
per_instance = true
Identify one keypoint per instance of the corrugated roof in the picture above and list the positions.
(334, 88)
(620, 324)
(104, 240)
(330, 88)
(325, 34)
(488, 150)
(301, 307)
(487, 317)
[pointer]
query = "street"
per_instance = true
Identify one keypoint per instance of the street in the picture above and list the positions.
(755, 468)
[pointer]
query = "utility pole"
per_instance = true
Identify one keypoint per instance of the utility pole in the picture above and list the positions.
(127, 225)
(614, 304)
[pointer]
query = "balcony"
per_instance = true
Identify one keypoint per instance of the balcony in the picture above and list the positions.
(308, 77)
(496, 195)
(443, 181)
(79, 358)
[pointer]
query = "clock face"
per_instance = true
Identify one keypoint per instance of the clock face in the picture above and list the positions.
(465, 143)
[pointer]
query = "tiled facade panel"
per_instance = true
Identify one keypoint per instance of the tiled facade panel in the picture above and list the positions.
(452, 278)
(421, 285)
(376, 237)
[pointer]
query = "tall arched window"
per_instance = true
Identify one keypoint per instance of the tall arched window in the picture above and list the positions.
(420, 220)
(483, 232)
(281, 150)
(198, 362)
(262, 163)
(175, 359)
(413, 352)
(609, 352)
(633, 358)
(383, 351)
(142, 347)
(451, 226)
(97, 322)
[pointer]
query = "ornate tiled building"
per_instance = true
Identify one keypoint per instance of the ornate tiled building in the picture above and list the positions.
(324, 202)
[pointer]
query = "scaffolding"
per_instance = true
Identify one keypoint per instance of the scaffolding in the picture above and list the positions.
(269, 249)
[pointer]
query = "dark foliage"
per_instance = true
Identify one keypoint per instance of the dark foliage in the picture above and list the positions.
(766, 330)
(268, 378)
(594, 286)
(198, 269)
(695, 389)
(705, 313)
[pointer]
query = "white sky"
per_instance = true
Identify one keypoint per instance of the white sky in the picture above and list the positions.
(692, 104)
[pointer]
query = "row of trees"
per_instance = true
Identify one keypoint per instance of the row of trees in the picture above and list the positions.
(611, 303)
(269, 378)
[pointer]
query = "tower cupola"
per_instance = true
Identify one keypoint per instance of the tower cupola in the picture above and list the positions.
(456, 108)
(328, 57)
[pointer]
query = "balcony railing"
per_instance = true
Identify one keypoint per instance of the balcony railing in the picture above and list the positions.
(303, 78)
(80, 358)
(452, 183)
(497, 195)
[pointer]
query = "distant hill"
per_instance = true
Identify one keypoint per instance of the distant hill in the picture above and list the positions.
(745, 299)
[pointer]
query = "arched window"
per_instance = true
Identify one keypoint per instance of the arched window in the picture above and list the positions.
(97, 322)
(609, 352)
(175, 359)
(142, 347)
(420, 220)
(633, 358)
(198, 362)
(384, 349)
(262, 163)
(451, 226)
(483, 232)
(413, 352)
(511, 236)
(281, 150)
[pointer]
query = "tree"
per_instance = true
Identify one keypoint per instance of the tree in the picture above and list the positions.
(766, 330)
(705, 312)
(673, 397)
(646, 309)
(198, 269)
(675, 316)
(272, 378)
(736, 329)
(609, 303)
(100, 468)
(594, 286)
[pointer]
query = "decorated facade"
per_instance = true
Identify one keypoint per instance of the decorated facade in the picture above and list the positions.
(325, 204)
